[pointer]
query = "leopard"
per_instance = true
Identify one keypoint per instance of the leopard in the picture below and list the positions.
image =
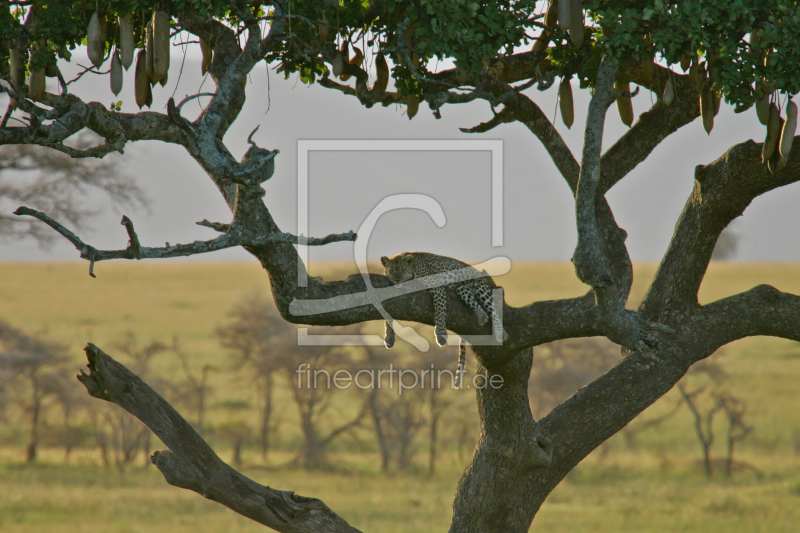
(436, 272)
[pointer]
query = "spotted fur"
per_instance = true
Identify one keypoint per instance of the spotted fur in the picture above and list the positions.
(476, 293)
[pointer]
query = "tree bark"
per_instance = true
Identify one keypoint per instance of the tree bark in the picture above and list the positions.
(191, 464)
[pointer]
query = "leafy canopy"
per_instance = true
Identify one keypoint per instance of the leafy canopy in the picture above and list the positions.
(742, 43)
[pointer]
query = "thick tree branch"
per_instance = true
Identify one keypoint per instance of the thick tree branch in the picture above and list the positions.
(191, 464)
(70, 115)
(763, 310)
(651, 128)
(524, 110)
(601, 259)
(723, 189)
(591, 265)
(602, 408)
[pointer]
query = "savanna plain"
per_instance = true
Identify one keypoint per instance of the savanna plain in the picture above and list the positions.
(651, 477)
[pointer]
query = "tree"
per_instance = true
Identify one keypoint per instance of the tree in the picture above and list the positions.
(691, 54)
(258, 338)
(35, 376)
(262, 343)
(59, 187)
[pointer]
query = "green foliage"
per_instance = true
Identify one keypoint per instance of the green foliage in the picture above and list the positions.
(472, 33)
(719, 32)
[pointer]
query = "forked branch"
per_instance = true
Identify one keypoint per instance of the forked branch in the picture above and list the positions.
(234, 236)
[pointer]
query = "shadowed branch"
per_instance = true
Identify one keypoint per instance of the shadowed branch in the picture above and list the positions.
(190, 462)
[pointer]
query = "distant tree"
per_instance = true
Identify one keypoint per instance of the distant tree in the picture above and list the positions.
(705, 395)
(266, 345)
(196, 389)
(560, 368)
(400, 416)
(34, 376)
(727, 245)
(258, 338)
(121, 436)
(56, 183)
(439, 401)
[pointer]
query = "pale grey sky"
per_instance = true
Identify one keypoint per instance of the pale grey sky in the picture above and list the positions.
(344, 187)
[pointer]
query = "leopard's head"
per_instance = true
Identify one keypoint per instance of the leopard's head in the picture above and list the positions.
(398, 268)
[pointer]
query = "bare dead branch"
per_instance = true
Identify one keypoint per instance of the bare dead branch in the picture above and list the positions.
(192, 97)
(191, 464)
(506, 115)
(234, 237)
(216, 226)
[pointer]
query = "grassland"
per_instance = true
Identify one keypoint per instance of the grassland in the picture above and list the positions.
(657, 486)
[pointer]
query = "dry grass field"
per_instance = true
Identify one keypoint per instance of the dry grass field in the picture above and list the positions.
(656, 486)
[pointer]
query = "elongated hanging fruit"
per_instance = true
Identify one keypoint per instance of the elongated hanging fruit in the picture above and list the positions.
(773, 134)
(36, 84)
(762, 109)
(116, 73)
(382, 71)
(700, 74)
(344, 51)
(165, 77)
(564, 10)
(126, 46)
(14, 65)
(686, 63)
(576, 22)
(144, 97)
(160, 45)
(411, 45)
(357, 58)
(565, 102)
(787, 134)
(96, 38)
(208, 55)
(150, 49)
(716, 99)
(337, 64)
(412, 106)
(551, 19)
(669, 92)
(707, 107)
(324, 30)
(624, 104)
(51, 71)
(16, 78)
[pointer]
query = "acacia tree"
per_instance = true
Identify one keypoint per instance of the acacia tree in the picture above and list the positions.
(691, 54)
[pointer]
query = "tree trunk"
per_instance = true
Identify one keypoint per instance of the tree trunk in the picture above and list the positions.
(510, 447)
(36, 407)
(377, 422)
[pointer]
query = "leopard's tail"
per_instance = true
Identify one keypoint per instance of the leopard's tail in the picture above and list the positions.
(462, 359)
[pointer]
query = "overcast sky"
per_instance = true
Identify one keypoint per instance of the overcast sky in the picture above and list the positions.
(345, 186)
